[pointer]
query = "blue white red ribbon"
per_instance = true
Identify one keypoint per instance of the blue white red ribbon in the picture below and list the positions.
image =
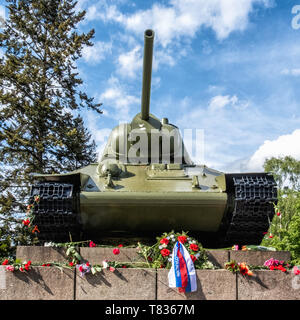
(182, 274)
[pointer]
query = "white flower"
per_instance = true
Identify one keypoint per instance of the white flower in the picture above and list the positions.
(168, 238)
(170, 259)
(194, 241)
(48, 244)
(197, 255)
(172, 235)
(188, 239)
(190, 242)
(160, 247)
(173, 239)
(105, 264)
(164, 245)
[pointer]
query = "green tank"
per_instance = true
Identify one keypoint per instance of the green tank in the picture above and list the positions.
(146, 184)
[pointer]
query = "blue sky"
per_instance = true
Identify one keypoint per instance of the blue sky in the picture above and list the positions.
(228, 67)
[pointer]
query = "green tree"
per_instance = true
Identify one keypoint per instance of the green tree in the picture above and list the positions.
(286, 223)
(286, 171)
(40, 98)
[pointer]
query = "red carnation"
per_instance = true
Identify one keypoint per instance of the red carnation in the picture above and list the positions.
(71, 264)
(165, 252)
(80, 268)
(116, 251)
(278, 214)
(5, 262)
(87, 264)
(21, 269)
(182, 239)
(194, 247)
(26, 267)
(193, 258)
(164, 241)
(120, 246)
(26, 222)
(92, 244)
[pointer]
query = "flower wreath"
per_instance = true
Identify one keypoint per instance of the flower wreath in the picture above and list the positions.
(160, 254)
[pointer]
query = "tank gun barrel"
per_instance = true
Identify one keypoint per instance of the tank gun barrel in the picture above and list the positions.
(147, 71)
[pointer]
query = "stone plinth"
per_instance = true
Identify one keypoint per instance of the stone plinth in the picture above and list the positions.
(97, 255)
(39, 283)
(218, 257)
(269, 285)
(37, 254)
(122, 284)
(257, 258)
(211, 285)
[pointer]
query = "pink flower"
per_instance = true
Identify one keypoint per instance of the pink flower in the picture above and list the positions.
(112, 269)
(10, 268)
(296, 271)
(120, 246)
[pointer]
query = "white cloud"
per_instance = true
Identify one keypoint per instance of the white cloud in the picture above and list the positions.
(2, 14)
(291, 72)
(285, 145)
(97, 52)
(117, 102)
(219, 102)
(130, 62)
(182, 18)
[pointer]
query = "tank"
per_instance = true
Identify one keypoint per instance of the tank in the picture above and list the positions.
(145, 184)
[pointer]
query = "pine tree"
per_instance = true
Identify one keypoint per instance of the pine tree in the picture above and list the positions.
(40, 98)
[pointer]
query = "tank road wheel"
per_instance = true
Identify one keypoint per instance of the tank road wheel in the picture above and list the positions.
(57, 213)
(253, 197)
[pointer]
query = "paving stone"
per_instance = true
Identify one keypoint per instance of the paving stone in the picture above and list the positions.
(211, 285)
(269, 285)
(122, 284)
(41, 254)
(257, 258)
(39, 283)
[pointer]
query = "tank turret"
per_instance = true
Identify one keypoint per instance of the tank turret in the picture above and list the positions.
(146, 139)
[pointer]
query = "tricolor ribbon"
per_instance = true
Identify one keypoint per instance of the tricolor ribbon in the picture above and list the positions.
(182, 274)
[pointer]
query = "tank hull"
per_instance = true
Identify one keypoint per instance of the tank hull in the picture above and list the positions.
(148, 200)
(140, 212)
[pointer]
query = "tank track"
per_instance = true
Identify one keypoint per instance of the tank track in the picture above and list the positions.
(57, 212)
(253, 208)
